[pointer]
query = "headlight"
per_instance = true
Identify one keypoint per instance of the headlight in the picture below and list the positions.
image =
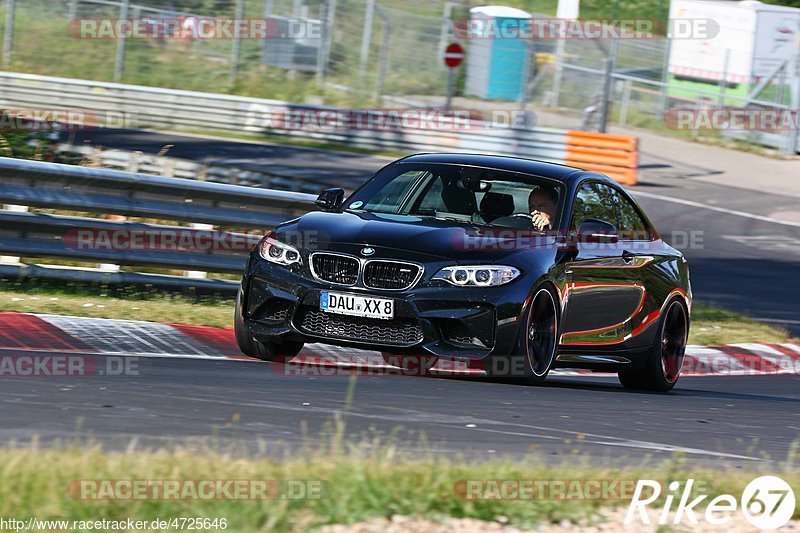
(278, 252)
(477, 276)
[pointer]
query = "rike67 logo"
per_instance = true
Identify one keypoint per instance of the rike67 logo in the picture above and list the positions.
(768, 502)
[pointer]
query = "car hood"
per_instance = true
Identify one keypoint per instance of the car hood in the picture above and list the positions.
(419, 236)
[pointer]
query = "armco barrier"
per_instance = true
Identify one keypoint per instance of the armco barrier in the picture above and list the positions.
(153, 107)
(172, 167)
(94, 240)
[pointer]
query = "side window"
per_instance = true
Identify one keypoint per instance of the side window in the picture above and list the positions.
(631, 226)
(432, 199)
(593, 200)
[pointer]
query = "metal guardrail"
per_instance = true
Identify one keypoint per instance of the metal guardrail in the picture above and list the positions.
(103, 192)
(109, 191)
(128, 161)
(152, 107)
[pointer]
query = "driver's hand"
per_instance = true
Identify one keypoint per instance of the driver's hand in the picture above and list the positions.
(541, 221)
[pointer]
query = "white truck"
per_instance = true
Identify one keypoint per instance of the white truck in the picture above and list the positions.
(754, 38)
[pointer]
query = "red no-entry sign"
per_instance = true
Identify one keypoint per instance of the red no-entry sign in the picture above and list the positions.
(453, 55)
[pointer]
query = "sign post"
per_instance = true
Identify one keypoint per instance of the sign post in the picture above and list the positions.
(453, 56)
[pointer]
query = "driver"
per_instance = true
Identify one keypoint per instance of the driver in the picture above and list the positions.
(542, 207)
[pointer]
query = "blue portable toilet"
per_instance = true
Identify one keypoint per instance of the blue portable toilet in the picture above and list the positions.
(497, 52)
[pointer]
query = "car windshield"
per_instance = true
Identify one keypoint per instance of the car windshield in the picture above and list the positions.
(464, 194)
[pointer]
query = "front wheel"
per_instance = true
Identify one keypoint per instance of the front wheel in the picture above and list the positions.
(252, 347)
(663, 367)
(537, 343)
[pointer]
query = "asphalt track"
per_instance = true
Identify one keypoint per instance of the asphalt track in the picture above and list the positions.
(709, 420)
(716, 420)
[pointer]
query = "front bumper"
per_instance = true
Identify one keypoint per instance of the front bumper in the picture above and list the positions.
(279, 304)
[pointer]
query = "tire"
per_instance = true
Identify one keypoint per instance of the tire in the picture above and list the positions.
(663, 366)
(255, 348)
(537, 344)
(411, 365)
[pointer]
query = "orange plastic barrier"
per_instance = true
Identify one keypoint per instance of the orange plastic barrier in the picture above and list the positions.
(616, 156)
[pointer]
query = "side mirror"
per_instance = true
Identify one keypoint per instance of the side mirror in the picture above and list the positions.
(593, 230)
(330, 200)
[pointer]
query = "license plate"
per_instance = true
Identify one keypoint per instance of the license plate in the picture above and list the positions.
(355, 305)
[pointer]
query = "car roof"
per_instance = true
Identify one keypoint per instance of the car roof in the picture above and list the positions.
(535, 167)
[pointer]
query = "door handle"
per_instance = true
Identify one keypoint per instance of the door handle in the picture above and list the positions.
(628, 257)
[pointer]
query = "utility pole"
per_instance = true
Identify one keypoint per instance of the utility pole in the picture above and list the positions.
(331, 16)
(236, 50)
(323, 40)
(73, 9)
(8, 36)
(793, 70)
(608, 81)
(269, 6)
(366, 39)
(119, 63)
(383, 57)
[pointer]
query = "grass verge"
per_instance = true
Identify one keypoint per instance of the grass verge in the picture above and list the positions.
(124, 303)
(713, 325)
(356, 485)
(710, 325)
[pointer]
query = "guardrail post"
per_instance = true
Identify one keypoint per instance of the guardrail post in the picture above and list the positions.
(111, 267)
(168, 167)
(10, 259)
(198, 274)
(96, 157)
(133, 162)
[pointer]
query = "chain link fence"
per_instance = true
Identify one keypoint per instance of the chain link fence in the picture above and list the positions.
(574, 79)
(358, 53)
(350, 51)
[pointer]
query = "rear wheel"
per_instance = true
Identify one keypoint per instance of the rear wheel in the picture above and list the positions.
(266, 351)
(663, 367)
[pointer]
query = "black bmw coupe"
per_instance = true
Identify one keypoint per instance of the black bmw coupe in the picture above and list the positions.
(511, 265)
